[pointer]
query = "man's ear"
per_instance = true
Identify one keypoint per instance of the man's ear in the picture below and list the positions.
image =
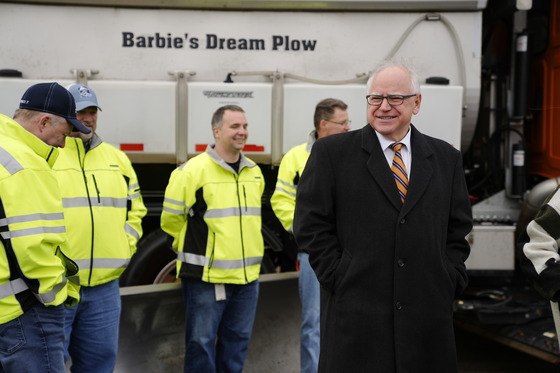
(417, 101)
(42, 122)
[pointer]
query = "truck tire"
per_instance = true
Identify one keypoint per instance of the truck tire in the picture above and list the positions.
(154, 253)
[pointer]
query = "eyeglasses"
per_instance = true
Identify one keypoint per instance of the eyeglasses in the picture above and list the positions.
(393, 100)
(347, 123)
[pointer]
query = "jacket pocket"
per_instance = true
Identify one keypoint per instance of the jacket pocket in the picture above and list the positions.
(341, 270)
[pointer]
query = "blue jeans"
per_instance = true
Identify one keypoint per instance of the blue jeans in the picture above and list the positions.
(92, 329)
(34, 342)
(309, 294)
(217, 333)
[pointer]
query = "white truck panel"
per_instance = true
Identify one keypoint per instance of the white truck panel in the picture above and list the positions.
(299, 107)
(439, 116)
(12, 89)
(255, 99)
(491, 248)
(135, 116)
(139, 117)
(440, 113)
(147, 44)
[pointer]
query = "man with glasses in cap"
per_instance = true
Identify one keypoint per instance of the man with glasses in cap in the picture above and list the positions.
(330, 118)
(383, 212)
(104, 210)
(36, 276)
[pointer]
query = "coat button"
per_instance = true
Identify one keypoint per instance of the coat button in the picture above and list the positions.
(398, 306)
(400, 263)
(403, 220)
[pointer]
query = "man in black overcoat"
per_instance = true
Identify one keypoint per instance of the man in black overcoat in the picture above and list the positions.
(390, 261)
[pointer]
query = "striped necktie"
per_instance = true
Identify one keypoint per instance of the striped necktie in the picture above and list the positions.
(399, 170)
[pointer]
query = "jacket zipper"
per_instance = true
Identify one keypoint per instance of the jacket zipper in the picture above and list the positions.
(241, 221)
(82, 166)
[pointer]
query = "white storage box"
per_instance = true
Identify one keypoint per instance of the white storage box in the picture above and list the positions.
(492, 248)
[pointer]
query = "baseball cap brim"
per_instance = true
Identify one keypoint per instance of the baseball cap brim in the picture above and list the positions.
(78, 126)
(85, 104)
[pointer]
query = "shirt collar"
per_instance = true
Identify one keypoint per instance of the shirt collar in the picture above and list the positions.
(311, 138)
(386, 142)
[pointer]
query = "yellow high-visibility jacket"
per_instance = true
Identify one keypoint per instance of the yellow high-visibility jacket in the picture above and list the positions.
(283, 200)
(214, 216)
(32, 232)
(103, 208)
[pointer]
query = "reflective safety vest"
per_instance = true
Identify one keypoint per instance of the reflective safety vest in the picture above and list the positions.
(283, 200)
(214, 216)
(33, 267)
(103, 208)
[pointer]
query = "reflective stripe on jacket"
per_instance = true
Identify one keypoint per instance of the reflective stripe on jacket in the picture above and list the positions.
(214, 216)
(103, 208)
(283, 200)
(32, 231)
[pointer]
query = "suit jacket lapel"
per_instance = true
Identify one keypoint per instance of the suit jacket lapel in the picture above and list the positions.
(378, 167)
(422, 170)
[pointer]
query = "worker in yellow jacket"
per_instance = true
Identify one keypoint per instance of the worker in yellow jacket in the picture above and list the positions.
(212, 209)
(37, 279)
(330, 118)
(103, 208)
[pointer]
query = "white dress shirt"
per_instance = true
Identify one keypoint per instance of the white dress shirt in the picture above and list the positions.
(406, 150)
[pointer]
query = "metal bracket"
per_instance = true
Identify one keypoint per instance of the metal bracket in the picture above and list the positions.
(82, 75)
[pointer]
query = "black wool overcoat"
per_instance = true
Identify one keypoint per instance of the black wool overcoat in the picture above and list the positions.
(389, 272)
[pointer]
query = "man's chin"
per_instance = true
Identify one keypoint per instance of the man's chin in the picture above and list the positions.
(81, 135)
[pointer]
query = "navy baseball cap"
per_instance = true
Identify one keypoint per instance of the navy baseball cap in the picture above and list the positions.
(54, 99)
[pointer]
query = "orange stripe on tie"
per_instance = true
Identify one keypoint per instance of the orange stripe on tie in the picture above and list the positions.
(399, 170)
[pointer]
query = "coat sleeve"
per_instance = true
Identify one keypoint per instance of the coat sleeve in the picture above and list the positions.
(540, 261)
(176, 204)
(36, 232)
(283, 200)
(459, 226)
(314, 220)
(137, 211)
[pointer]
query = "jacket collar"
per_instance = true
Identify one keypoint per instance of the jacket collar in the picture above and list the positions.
(12, 129)
(244, 161)
(78, 144)
(95, 141)
(311, 138)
